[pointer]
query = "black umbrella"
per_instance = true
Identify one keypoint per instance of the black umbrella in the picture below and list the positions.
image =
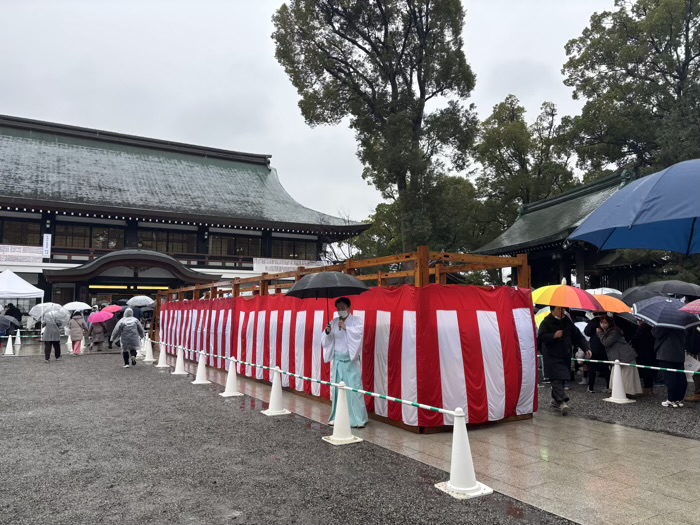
(664, 311)
(675, 288)
(327, 285)
(638, 293)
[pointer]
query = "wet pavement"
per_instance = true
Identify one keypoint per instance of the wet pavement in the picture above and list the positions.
(87, 441)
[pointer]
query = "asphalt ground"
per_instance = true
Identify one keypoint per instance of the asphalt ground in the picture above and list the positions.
(645, 413)
(83, 440)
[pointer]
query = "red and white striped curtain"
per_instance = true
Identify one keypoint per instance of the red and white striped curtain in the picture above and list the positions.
(447, 347)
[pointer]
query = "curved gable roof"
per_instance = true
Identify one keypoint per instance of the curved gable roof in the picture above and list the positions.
(55, 164)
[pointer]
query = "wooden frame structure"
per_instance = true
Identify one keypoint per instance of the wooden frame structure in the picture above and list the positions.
(424, 264)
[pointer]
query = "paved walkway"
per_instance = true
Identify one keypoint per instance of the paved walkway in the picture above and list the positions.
(586, 471)
(590, 472)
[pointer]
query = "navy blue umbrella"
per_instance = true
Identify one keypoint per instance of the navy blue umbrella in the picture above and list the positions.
(657, 212)
(662, 311)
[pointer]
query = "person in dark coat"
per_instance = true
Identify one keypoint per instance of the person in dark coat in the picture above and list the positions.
(670, 351)
(13, 311)
(597, 352)
(109, 328)
(558, 336)
(643, 344)
(692, 346)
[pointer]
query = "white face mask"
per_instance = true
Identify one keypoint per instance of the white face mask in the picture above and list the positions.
(343, 314)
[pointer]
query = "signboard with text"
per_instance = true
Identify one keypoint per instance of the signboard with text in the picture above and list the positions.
(281, 265)
(21, 254)
(46, 248)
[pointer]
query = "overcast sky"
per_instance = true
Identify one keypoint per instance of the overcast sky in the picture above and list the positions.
(204, 72)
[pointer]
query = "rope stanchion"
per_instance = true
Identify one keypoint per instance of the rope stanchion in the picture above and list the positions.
(231, 389)
(275, 407)
(201, 377)
(618, 389)
(162, 357)
(148, 350)
(9, 349)
(462, 483)
(342, 434)
(179, 363)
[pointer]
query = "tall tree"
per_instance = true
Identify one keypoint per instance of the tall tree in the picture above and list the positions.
(396, 69)
(520, 162)
(638, 68)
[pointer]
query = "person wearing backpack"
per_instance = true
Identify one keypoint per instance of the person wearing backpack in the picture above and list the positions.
(129, 332)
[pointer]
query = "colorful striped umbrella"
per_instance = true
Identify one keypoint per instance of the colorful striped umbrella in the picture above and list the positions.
(692, 307)
(566, 296)
(612, 304)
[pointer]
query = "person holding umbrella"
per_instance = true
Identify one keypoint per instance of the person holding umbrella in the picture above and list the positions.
(342, 344)
(51, 335)
(558, 335)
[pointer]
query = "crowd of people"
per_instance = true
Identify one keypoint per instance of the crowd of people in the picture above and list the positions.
(606, 337)
(124, 330)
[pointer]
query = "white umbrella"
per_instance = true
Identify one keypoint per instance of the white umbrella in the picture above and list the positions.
(602, 291)
(77, 306)
(50, 311)
(140, 300)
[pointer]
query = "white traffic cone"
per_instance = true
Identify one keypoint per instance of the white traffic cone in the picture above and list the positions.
(463, 483)
(82, 345)
(149, 351)
(201, 377)
(180, 363)
(231, 382)
(9, 349)
(69, 344)
(18, 340)
(618, 389)
(342, 435)
(162, 357)
(275, 406)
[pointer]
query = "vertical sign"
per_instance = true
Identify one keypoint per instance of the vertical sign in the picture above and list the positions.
(46, 249)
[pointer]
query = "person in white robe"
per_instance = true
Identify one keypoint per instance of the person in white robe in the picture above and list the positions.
(342, 345)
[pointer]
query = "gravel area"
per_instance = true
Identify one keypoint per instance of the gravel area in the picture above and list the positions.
(86, 441)
(646, 413)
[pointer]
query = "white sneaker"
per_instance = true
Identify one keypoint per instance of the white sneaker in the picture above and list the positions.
(564, 409)
(583, 382)
(125, 366)
(667, 403)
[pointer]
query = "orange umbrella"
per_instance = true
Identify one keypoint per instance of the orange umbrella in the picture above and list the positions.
(611, 304)
(566, 296)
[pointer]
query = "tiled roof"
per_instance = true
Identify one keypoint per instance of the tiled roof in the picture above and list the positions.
(56, 164)
(552, 220)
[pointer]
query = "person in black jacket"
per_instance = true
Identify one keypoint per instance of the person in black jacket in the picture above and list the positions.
(643, 344)
(558, 336)
(597, 352)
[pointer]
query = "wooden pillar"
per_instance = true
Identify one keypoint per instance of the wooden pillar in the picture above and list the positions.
(440, 276)
(524, 276)
(349, 268)
(422, 266)
(380, 279)
(263, 284)
(236, 287)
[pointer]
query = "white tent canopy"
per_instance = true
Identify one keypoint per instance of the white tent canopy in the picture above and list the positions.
(13, 286)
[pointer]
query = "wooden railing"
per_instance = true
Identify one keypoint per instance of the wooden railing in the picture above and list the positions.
(418, 267)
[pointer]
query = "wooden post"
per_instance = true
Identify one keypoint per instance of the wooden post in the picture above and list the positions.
(349, 269)
(524, 276)
(440, 276)
(263, 284)
(422, 267)
(380, 279)
(236, 287)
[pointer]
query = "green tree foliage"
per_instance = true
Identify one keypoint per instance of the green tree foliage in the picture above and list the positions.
(396, 70)
(520, 162)
(452, 221)
(638, 68)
